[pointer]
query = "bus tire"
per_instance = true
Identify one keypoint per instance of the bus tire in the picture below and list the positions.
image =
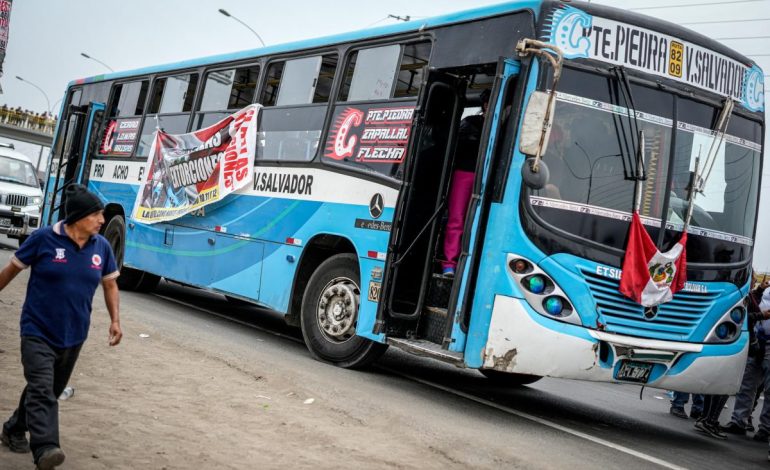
(129, 279)
(330, 312)
(509, 379)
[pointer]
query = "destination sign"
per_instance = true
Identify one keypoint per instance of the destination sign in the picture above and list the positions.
(580, 35)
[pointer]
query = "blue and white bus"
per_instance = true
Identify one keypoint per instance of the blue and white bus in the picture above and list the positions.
(342, 227)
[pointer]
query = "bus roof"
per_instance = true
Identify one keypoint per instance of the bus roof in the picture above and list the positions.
(398, 28)
(417, 25)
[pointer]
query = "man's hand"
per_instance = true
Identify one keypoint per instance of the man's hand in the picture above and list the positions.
(112, 300)
(8, 273)
(115, 334)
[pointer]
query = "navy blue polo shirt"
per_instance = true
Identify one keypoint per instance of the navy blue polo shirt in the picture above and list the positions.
(62, 283)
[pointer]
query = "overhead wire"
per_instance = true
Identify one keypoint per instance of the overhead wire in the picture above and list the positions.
(741, 37)
(689, 23)
(662, 7)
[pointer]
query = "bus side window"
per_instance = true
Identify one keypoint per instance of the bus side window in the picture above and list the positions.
(123, 118)
(379, 79)
(170, 105)
(295, 96)
(382, 73)
(225, 92)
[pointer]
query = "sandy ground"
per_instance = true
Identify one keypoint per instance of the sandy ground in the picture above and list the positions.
(151, 403)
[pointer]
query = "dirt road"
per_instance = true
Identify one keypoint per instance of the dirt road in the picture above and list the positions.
(185, 390)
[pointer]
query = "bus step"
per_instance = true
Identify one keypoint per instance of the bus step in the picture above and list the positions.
(421, 347)
(439, 290)
(433, 324)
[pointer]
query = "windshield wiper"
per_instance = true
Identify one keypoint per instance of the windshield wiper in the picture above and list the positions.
(10, 180)
(635, 163)
(701, 173)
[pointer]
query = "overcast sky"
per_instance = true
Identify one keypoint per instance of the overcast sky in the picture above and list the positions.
(47, 37)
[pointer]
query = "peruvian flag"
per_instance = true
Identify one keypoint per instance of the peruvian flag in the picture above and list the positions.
(649, 276)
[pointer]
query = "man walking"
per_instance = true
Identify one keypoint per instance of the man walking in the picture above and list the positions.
(68, 261)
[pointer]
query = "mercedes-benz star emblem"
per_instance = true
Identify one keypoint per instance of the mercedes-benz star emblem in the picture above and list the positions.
(376, 205)
(650, 312)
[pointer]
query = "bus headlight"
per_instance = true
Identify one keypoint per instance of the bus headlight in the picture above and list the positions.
(535, 284)
(35, 201)
(553, 305)
(728, 328)
(540, 291)
(736, 315)
(725, 330)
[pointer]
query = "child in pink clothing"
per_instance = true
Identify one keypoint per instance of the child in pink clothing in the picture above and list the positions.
(461, 188)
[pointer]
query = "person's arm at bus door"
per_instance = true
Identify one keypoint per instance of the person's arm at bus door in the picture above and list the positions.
(112, 300)
(9, 272)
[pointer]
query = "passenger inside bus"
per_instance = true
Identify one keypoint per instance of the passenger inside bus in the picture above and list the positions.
(466, 155)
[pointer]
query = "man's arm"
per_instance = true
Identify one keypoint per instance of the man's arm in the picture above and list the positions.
(112, 300)
(9, 272)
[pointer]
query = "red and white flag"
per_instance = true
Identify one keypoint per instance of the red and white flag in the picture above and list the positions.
(649, 276)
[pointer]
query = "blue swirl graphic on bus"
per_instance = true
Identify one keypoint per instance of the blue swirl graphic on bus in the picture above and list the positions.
(754, 89)
(567, 29)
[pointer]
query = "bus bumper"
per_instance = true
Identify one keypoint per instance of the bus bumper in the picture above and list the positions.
(523, 341)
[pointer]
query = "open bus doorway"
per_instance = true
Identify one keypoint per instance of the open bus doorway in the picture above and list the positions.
(415, 292)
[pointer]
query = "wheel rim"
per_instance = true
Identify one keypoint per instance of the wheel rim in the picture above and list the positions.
(337, 309)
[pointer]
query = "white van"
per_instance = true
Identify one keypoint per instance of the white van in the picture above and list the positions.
(20, 196)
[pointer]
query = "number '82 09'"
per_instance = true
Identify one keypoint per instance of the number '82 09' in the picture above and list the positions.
(675, 59)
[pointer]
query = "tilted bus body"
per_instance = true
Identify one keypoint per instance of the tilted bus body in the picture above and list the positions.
(342, 227)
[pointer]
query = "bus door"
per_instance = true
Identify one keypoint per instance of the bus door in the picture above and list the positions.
(419, 303)
(73, 164)
(421, 201)
(496, 147)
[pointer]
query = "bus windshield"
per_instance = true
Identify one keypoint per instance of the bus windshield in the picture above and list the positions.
(590, 156)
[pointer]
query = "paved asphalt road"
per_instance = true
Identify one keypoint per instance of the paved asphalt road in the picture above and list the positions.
(572, 424)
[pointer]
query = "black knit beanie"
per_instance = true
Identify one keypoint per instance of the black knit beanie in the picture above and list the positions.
(79, 203)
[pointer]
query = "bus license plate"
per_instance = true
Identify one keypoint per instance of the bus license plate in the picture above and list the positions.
(638, 372)
(5, 222)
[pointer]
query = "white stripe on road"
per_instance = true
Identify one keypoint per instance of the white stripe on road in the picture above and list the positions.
(521, 414)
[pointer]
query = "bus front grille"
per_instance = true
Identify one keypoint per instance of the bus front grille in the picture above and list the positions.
(674, 320)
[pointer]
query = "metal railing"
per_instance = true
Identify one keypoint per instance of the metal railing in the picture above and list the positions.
(27, 120)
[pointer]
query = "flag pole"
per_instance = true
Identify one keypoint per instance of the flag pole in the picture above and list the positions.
(639, 173)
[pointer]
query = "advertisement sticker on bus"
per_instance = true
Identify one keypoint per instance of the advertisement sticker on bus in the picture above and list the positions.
(370, 134)
(119, 137)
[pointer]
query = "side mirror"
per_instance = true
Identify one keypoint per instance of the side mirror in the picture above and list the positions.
(535, 179)
(534, 127)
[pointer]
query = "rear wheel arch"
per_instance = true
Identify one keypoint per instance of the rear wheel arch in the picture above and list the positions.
(114, 230)
(329, 315)
(317, 250)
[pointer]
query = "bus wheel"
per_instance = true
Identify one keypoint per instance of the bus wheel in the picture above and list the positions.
(129, 279)
(508, 378)
(330, 312)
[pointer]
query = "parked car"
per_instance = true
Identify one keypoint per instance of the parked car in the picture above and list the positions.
(20, 196)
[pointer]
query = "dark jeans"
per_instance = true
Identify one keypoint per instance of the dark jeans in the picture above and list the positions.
(47, 370)
(680, 399)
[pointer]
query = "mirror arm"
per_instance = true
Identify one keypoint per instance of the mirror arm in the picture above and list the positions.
(555, 56)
